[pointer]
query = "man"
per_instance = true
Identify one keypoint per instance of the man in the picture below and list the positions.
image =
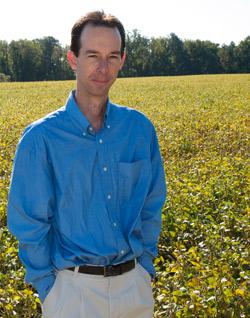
(87, 188)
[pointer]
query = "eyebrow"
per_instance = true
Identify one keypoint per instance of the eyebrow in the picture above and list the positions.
(91, 52)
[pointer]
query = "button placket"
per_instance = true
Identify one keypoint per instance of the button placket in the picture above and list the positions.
(104, 167)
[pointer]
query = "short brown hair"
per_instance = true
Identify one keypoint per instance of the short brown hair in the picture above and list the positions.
(96, 18)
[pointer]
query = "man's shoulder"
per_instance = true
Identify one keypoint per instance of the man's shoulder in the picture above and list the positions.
(132, 113)
(37, 129)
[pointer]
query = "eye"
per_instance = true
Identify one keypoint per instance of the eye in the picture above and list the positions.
(92, 56)
(115, 57)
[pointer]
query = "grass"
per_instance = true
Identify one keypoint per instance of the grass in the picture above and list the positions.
(202, 122)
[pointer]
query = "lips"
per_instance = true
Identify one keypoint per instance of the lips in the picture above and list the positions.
(100, 81)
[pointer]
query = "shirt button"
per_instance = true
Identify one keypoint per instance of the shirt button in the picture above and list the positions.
(122, 252)
(90, 128)
(114, 224)
(100, 141)
(105, 168)
(108, 126)
(84, 134)
(109, 196)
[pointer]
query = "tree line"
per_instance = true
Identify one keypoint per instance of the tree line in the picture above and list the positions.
(45, 59)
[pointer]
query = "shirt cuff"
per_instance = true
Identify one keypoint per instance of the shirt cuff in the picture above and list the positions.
(44, 285)
(146, 261)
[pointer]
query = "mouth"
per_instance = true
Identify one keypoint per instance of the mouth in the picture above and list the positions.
(100, 82)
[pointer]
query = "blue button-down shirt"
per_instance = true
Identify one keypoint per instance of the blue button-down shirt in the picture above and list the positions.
(83, 197)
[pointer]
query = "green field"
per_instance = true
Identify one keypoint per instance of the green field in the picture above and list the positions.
(202, 122)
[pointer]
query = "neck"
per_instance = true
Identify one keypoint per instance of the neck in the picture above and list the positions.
(93, 107)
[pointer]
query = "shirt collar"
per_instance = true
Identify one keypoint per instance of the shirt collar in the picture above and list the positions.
(74, 111)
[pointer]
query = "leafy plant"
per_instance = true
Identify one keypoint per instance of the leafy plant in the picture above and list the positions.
(203, 268)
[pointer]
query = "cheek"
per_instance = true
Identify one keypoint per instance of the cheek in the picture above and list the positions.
(115, 72)
(85, 70)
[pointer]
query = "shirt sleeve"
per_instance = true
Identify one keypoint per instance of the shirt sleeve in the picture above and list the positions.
(152, 209)
(29, 211)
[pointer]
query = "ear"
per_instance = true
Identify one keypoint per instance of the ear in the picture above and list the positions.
(72, 60)
(123, 59)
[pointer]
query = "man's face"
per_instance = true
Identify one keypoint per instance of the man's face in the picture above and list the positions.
(99, 60)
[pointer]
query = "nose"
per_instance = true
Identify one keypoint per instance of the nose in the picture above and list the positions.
(103, 66)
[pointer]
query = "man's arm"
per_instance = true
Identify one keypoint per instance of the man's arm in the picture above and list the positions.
(30, 205)
(152, 209)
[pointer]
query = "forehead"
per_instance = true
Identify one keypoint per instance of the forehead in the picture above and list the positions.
(100, 38)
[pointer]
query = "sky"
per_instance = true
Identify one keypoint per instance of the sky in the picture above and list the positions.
(220, 21)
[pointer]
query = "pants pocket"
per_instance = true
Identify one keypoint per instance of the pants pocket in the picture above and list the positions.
(144, 272)
(144, 288)
(55, 297)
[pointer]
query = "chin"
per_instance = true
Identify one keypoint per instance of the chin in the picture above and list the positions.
(99, 92)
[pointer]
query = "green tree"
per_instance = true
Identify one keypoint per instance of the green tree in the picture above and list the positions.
(5, 61)
(243, 56)
(137, 61)
(159, 57)
(50, 57)
(203, 57)
(178, 56)
(45, 59)
(54, 61)
(26, 60)
(228, 58)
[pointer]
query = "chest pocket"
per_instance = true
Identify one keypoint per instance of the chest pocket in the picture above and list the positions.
(134, 180)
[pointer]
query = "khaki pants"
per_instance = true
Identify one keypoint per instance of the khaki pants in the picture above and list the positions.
(77, 295)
